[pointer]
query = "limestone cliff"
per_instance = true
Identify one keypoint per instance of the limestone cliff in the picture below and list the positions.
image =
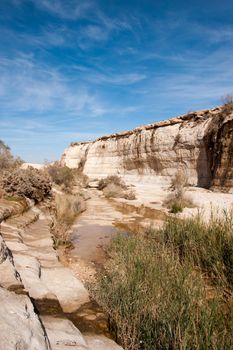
(200, 143)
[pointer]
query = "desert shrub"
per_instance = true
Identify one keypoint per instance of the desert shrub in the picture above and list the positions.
(67, 208)
(113, 179)
(130, 195)
(30, 182)
(61, 175)
(115, 187)
(156, 297)
(66, 177)
(176, 205)
(113, 191)
(178, 183)
(177, 200)
(7, 160)
(227, 104)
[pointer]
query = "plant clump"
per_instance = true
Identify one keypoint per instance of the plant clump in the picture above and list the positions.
(66, 177)
(171, 288)
(67, 207)
(61, 175)
(114, 187)
(227, 104)
(31, 183)
(178, 200)
(7, 160)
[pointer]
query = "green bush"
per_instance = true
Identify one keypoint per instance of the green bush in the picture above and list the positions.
(155, 290)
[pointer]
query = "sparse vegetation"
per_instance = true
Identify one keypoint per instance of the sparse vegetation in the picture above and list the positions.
(115, 187)
(227, 103)
(113, 179)
(167, 289)
(66, 177)
(7, 160)
(30, 182)
(178, 200)
(177, 204)
(67, 207)
(61, 175)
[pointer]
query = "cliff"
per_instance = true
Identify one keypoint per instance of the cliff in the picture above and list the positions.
(200, 143)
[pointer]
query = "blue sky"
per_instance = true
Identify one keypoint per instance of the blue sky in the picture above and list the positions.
(73, 70)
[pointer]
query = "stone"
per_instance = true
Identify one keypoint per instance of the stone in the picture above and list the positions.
(20, 326)
(100, 342)
(199, 143)
(63, 334)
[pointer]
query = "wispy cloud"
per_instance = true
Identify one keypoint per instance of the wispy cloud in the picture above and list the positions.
(29, 86)
(69, 9)
(116, 79)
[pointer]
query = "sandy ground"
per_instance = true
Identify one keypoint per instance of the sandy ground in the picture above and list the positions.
(152, 192)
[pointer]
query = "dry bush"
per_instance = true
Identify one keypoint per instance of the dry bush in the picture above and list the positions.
(7, 160)
(115, 187)
(130, 195)
(66, 177)
(113, 191)
(176, 205)
(30, 182)
(227, 103)
(113, 179)
(61, 175)
(67, 208)
(179, 182)
(177, 200)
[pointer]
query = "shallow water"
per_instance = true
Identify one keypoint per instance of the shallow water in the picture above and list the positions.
(105, 218)
(93, 230)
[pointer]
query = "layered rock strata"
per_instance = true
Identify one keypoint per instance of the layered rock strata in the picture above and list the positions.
(200, 143)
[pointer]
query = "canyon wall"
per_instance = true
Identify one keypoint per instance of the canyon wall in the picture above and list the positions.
(199, 143)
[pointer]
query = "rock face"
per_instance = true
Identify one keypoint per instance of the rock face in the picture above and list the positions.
(200, 143)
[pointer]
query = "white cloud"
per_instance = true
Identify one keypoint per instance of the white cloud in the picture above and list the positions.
(68, 9)
(33, 87)
(116, 78)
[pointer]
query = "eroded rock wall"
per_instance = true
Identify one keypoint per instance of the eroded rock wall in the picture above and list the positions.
(200, 143)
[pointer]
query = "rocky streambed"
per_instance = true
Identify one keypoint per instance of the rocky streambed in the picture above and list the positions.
(43, 305)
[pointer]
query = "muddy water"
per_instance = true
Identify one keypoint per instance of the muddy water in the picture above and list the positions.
(93, 230)
(102, 220)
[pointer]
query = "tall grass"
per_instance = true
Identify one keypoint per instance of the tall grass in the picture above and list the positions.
(155, 293)
(208, 246)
